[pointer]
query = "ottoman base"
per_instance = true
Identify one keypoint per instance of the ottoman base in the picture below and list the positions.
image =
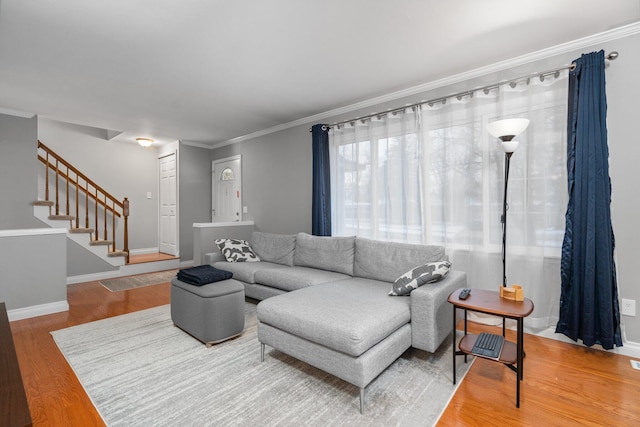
(211, 313)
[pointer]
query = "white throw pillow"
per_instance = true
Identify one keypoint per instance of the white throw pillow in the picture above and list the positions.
(236, 250)
(428, 273)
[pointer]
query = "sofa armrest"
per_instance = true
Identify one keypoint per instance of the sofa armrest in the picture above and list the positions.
(431, 314)
(213, 257)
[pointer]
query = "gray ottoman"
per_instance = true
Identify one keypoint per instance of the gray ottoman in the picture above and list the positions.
(211, 313)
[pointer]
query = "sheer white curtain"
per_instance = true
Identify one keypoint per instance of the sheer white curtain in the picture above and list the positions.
(433, 174)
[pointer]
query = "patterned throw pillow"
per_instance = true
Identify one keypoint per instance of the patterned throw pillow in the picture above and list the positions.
(236, 250)
(413, 279)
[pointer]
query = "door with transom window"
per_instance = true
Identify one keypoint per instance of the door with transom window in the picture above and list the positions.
(226, 184)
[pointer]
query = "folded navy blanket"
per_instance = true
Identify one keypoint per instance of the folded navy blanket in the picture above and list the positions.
(203, 274)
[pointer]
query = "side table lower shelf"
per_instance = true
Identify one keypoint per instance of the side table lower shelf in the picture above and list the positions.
(508, 356)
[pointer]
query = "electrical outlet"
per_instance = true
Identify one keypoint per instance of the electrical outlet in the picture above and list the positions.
(628, 307)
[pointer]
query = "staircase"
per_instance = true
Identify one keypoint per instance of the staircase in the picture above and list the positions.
(93, 218)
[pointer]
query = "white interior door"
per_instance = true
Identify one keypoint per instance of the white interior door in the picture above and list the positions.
(168, 205)
(226, 184)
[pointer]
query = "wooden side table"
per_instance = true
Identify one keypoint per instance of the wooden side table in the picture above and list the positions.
(489, 302)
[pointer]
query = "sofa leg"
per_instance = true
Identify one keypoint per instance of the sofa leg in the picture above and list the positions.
(261, 352)
(362, 400)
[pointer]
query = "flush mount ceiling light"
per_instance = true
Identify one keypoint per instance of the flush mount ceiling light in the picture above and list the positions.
(145, 142)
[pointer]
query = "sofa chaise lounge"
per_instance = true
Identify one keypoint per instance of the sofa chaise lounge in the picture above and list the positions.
(325, 300)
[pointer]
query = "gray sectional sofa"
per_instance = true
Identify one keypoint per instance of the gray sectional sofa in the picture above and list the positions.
(325, 301)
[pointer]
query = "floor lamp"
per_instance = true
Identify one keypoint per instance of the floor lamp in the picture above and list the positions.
(505, 131)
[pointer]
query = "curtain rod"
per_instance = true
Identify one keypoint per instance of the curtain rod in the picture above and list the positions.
(555, 72)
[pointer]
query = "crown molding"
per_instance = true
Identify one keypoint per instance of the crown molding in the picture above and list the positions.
(606, 36)
(196, 144)
(17, 113)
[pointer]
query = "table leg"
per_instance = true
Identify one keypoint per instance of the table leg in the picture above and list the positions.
(519, 346)
(465, 331)
(453, 348)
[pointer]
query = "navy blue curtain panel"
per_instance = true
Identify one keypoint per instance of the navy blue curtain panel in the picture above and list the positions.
(589, 308)
(321, 204)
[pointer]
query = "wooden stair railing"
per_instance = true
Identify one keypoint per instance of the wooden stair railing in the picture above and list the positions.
(106, 207)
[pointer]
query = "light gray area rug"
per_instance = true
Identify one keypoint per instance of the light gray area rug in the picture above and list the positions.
(140, 370)
(139, 280)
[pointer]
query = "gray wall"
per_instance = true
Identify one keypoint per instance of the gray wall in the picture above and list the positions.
(623, 93)
(194, 192)
(123, 169)
(277, 167)
(276, 180)
(24, 286)
(18, 172)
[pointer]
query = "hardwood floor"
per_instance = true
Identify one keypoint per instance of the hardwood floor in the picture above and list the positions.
(55, 396)
(563, 384)
(142, 258)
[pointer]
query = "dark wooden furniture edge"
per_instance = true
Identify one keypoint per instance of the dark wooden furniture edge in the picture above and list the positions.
(14, 408)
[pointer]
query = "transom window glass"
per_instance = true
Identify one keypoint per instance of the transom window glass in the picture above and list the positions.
(227, 175)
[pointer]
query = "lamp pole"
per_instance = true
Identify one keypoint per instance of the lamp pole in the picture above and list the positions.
(503, 220)
(505, 130)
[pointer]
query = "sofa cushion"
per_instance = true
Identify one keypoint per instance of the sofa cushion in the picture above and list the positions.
(246, 271)
(430, 272)
(290, 279)
(236, 250)
(360, 314)
(325, 253)
(386, 261)
(277, 248)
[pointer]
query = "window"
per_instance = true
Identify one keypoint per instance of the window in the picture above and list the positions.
(433, 174)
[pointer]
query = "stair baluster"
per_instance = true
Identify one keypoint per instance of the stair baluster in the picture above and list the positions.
(93, 193)
(57, 189)
(96, 217)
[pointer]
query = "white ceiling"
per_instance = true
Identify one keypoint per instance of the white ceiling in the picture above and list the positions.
(207, 71)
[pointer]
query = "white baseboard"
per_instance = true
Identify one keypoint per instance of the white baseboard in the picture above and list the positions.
(149, 267)
(143, 251)
(629, 348)
(129, 270)
(37, 310)
(93, 277)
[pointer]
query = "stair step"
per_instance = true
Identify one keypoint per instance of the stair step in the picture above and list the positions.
(62, 217)
(43, 203)
(81, 230)
(100, 242)
(116, 253)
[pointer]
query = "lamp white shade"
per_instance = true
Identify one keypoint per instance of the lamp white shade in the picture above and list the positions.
(145, 142)
(510, 146)
(507, 127)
